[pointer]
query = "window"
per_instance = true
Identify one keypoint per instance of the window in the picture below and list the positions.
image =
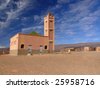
(45, 47)
(22, 46)
(51, 24)
(51, 21)
(41, 46)
(51, 29)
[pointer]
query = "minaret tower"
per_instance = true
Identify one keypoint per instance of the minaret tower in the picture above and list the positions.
(49, 30)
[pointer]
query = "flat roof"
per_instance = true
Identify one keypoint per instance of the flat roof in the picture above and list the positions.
(32, 35)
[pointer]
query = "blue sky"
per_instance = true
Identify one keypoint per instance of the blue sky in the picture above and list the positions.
(76, 21)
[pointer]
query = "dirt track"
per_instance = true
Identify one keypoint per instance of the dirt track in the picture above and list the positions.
(74, 63)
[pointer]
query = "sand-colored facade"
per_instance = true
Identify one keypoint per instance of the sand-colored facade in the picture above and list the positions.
(49, 26)
(98, 49)
(87, 48)
(21, 43)
(14, 44)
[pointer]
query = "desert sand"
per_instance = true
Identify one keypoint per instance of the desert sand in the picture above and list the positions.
(76, 63)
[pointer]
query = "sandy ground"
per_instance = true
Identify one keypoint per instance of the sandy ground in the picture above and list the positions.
(53, 64)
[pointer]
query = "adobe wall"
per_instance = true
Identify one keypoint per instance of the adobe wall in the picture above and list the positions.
(14, 45)
(35, 41)
(98, 49)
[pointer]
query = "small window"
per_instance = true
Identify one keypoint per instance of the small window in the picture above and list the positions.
(41, 46)
(51, 21)
(45, 47)
(51, 29)
(51, 41)
(22, 46)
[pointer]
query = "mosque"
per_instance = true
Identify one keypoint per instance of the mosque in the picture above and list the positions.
(22, 44)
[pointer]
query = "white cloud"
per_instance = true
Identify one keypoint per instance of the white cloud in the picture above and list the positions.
(57, 6)
(82, 8)
(95, 13)
(63, 1)
(3, 4)
(88, 20)
(79, 19)
(24, 30)
(8, 1)
(36, 17)
(82, 5)
(22, 4)
(38, 28)
(70, 32)
(13, 14)
(83, 15)
(91, 34)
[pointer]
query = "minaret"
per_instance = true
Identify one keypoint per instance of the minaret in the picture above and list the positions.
(49, 30)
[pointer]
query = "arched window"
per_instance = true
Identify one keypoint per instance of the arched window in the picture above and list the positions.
(45, 47)
(22, 46)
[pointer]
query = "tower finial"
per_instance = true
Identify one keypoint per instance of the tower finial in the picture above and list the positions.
(50, 14)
